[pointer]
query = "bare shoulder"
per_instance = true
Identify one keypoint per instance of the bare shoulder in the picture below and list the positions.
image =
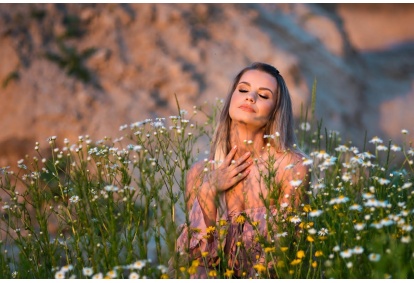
(195, 176)
(196, 169)
(292, 159)
(291, 163)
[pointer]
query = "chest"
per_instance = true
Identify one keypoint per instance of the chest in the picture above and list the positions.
(258, 187)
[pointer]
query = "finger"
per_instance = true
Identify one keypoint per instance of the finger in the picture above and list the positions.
(243, 158)
(239, 177)
(229, 157)
(241, 168)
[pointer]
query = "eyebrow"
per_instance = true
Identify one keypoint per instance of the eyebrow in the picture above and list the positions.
(260, 88)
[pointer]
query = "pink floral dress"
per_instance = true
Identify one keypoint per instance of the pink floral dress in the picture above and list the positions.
(237, 237)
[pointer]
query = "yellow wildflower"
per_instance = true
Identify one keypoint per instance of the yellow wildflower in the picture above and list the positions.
(318, 253)
(270, 249)
(322, 238)
(192, 270)
(223, 222)
(182, 268)
(212, 273)
(238, 243)
(195, 263)
(164, 276)
(310, 239)
(295, 261)
(307, 208)
(300, 254)
(229, 273)
(256, 239)
(210, 229)
(240, 219)
(314, 264)
(280, 264)
(204, 254)
(260, 268)
(291, 272)
(255, 223)
(283, 249)
(301, 225)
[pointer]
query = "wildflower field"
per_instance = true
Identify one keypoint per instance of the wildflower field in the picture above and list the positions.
(111, 208)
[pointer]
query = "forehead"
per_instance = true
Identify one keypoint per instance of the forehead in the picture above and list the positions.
(259, 79)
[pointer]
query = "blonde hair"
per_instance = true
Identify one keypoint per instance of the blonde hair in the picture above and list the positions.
(281, 119)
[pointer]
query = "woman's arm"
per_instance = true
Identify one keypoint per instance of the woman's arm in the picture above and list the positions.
(197, 186)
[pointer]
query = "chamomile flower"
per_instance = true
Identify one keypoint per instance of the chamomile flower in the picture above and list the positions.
(338, 200)
(133, 275)
(97, 276)
(407, 185)
(355, 207)
(315, 213)
(295, 219)
(139, 264)
(374, 257)
(74, 199)
(323, 232)
(307, 161)
(295, 183)
(60, 275)
(375, 140)
(281, 235)
(111, 188)
(359, 226)
(342, 148)
(305, 126)
(346, 253)
(346, 177)
(87, 271)
(395, 148)
(358, 250)
(383, 181)
(111, 274)
(382, 147)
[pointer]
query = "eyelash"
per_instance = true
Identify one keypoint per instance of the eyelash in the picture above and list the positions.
(262, 96)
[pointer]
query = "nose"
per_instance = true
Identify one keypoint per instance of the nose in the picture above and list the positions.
(251, 96)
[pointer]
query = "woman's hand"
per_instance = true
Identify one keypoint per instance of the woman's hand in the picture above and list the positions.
(230, 171)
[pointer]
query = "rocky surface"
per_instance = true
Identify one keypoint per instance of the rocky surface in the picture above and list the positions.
(122, 63)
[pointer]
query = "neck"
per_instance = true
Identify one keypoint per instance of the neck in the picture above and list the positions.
(247, 139)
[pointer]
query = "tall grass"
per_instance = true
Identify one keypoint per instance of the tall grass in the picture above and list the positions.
(111, 208)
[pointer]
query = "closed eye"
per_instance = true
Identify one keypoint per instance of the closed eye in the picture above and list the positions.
(243, 90)
(263, 96)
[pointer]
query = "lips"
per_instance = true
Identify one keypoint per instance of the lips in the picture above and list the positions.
(247, 108)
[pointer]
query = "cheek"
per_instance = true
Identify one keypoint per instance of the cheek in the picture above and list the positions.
(268, 109)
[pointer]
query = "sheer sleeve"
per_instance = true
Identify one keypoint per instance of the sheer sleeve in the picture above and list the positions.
(193, 238)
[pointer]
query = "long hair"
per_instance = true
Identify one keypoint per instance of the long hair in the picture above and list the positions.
(280, 120)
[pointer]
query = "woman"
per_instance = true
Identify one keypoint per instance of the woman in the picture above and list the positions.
(255, 167)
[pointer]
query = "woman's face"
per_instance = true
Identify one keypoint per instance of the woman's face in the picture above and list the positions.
(254, 99)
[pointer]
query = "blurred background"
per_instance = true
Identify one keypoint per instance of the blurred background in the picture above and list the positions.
(77, 69)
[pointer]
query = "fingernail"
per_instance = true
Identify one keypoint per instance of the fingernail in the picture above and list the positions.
(234, 147)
